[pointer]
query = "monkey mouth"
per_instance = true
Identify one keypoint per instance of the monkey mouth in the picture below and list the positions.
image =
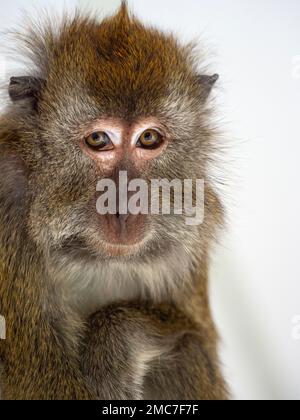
(98, 246)
(121, 235)
(122, 230)
(121, 250)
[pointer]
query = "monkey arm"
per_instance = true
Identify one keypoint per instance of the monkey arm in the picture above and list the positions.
(190, 372)
(37, 363)
(36, 366)
(141, 351)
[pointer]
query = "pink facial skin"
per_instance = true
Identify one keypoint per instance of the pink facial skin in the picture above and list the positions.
(125, 235)
(124, 138)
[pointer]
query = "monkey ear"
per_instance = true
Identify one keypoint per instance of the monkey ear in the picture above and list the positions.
(206, 84)
(25, 87)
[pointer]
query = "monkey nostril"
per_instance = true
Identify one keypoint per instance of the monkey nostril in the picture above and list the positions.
(122, 220)
(119, 223)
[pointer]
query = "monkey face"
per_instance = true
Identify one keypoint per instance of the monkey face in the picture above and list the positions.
(106, 149)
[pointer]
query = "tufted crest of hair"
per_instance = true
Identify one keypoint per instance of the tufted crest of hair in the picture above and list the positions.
(123, 65)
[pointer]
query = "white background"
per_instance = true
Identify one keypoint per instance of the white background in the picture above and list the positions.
(256, 276)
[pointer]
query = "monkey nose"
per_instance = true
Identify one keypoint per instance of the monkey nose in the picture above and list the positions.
(121, 221)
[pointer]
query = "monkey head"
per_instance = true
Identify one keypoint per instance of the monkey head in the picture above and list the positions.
(103, 98)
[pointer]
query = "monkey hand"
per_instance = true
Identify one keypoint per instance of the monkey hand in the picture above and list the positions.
(142, 351)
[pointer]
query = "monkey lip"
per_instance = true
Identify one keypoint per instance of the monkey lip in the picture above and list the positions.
(119, 250)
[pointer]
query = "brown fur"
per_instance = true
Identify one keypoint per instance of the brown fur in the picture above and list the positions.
(162, 344)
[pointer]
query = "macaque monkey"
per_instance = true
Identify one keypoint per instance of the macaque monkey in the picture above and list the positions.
(105, 306)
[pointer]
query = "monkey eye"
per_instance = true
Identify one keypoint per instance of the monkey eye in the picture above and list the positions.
(150, 139)
(99, 140)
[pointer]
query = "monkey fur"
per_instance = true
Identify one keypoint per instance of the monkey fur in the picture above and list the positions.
(81, 324)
